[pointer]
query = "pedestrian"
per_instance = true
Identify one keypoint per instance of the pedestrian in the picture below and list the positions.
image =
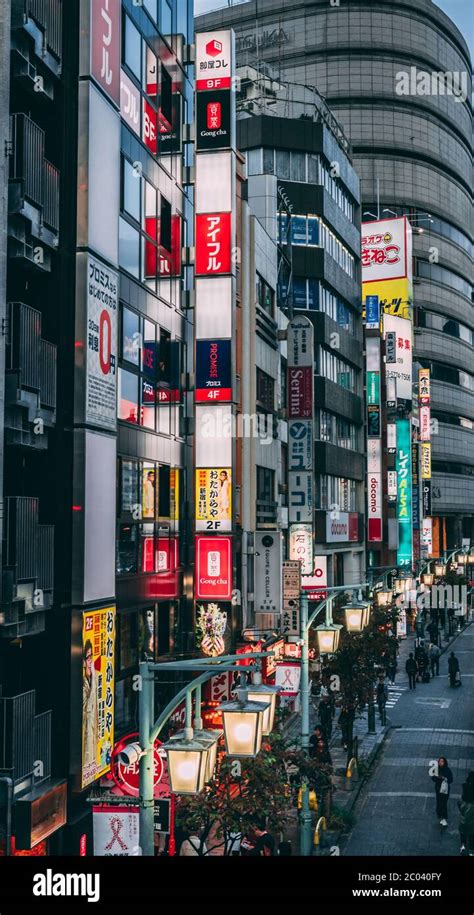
(346, 724)
(453, 669)
(411, 668)
(314, 740)
(191, 846)
(421, 659)
(381, 693)
(264, 847)
(434, 660)
(392, 667)
(443, 781)
(325, 717)
(284, 849)
(451, 619)
(322, 753)
(433, 631)
(466, 809)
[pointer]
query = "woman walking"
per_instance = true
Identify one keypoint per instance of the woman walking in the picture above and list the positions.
(443, 780)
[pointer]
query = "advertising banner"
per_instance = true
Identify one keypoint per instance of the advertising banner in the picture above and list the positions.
(343, 528)
(425, 423)
(213, 568)
(392, 485)
(213, 370)
(374, 496)
(374, 455)
(116, 831)
(426, 460)
(290, 617)
(372, 312)
(98, 653)
(287, 677)
(401, 370)
(373, 421)
(130, 103)
(213, 60)
(427, 537)
(404, 493)
(213, 244)
(372, 352)
(213, 120)
(373, 387)
(300, 392)
(426, 496)
(391, 438)
(213, 499)
(317, 581)
(301, 546)
(385, 250)
(300, 342)
(102, 305)
(105, 17)
(300, 497)
(268, 572)
(391, 347)
(424, 393)
(300, 444)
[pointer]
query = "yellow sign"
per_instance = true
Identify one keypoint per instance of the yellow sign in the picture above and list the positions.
(426, 460)
(98, 672)
(395, 296)
(174, 493)
(148, 490)
(214, 499)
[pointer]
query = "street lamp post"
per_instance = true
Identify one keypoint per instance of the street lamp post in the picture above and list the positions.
(306, 621)
(149, 729)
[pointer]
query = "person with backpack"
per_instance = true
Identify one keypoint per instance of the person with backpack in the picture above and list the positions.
(411, 668)
(453, 669)
(434, 660)
(443, 780)
(466, 810)
(381, 694)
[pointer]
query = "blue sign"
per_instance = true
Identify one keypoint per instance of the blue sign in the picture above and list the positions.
(372, 311)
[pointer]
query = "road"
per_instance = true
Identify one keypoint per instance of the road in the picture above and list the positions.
(396, 810)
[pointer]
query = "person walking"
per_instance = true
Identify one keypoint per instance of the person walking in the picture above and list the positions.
(411, 668)
(322, 753)
(466, 810)
(392, 667)
(346, 724)
(316, 737)
(434, 660)
(453, 669)
(443, 780)
(382, 696)
(325, 717)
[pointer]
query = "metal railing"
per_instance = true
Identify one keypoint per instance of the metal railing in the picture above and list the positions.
(51, 195)
(45, 556)
(17, 734)
(40, 179)
(42, 745)
(48, 15)
(48, 360)
(21, 536)
(25, 339)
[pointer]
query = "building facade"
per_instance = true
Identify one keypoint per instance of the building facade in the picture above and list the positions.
(398, 80)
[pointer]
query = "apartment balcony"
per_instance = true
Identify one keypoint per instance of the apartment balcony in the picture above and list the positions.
(40, 22)
(30, 388)
(28, 569)
(33, 196)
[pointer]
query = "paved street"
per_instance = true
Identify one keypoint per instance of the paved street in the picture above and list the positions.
(396, 811)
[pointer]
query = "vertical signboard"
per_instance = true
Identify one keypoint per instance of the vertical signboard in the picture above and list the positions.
(105, 17)
(387, 265)
(300, 422)
(404, 494)
(102, 311)
(374, 490)
(98, 673)
(268, 572)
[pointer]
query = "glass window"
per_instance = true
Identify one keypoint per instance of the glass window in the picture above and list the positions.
(129, 256)
(313, 169)
(265, 484)
(147, 548)
(164, 491)
(151, 6)
(130, 336)
(128, 640)
(298, 166)
(127, 549)
(150, 72)
(299, 292)
(131, 190)
(166, 19)
(254, 161)
(127, 396)
(149, 350)
(148, 490)
(313, 294)
(298, 230)
(313, 230)
(148, 403)
(146, 635)
(132, 47)
(129, 487)
(165, 223)
(282, 163)
(268, 156)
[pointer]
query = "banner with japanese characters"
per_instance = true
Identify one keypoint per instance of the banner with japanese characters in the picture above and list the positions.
(214, 499)
(98, 676)
(101, 344)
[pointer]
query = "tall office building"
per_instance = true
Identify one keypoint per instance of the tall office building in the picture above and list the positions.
(397, 77)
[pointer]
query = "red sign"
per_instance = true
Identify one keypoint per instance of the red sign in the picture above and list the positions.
(127, 778)
(83, 845)
(213, 244)
(150, 127)
(213, 573)
(105, 45)
(300, 392)
(374, 528)
(166, 582)
(353, 526)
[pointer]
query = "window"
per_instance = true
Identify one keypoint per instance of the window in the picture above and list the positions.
(128, 487)
(335, 492)
(127, 396)
(147, 505)
(165, 223)
(268, 156)
(265, 295)
(132, 47)
(131, 190)
(166, 96)
(166, 19)
(254, 161)
(298, 167)
(130, 336)
(333, 368)
(129, 250)
(265, 484)
(150, 75)
(146, 354)
(265, 390)
(446, 277)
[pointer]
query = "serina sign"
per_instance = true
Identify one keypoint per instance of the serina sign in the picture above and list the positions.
(404, 494)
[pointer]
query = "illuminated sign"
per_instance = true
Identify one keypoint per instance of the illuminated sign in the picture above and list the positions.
(385, 249)
(301, 546)
(105, 16)
(213, 573)
(213, 60)
(102, 306)
(404, 493)
(401, 369)
(424, 386)
(268, 572)
(213, 243)
(213, 120)
(39, 814)
(213, 370)
(98, 654)
(426, 461)
(214, 499)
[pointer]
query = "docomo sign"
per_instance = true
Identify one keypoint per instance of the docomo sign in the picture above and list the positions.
(385, 249)
(127, 778)
(213, 575)
(374, 497)
(343, 528)
(214, 56)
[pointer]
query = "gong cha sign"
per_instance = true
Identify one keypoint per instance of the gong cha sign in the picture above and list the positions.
(127, 778)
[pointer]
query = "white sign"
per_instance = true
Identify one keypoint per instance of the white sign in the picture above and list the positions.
(402, 624)
(300, 496)
(392, 437)
(427, 536)
(374, 494)
(300, 444)
(101, 344)
(301, 546)
(129, 103)
(287, 677)
(374, 455)
(319, 578)
(425, 423)
(385, 249)
(372, 349)
(300, 342)
(268, 572)
(392, 483)
(116, 831)
(213, 60)
(337, 527)
(401, 370)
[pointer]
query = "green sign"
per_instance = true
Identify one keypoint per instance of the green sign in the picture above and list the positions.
(373, 387)
(404, 494)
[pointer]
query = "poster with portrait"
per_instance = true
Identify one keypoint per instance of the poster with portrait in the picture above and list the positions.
(214, 499)
(98, 673)
(149, 489)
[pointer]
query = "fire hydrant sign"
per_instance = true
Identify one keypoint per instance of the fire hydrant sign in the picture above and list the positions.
(101, 344)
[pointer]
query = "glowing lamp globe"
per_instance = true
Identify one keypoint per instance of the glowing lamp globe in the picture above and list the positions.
(243, 727)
